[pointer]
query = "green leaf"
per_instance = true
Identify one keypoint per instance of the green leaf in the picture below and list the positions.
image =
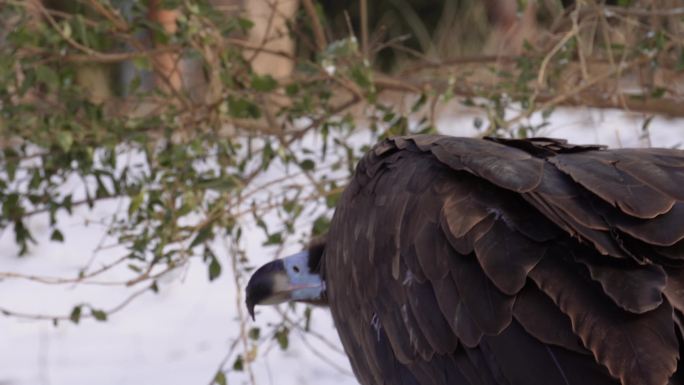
(290, 205)
(239, 364)
(36, 178)
(223, 183)
(22, 236)
(57, 236)
(214, 269)
(220, 378)
(342, 47)
(477, 122)
(419, 103)
(243, 108)
(65, 140)
(136, 201)
(99, 314)
(67, 203)
(307, 318)
(11, 163)
(361, 75)
(254, 333)
(135, 84)
(646, 124)
(193, 8)
(203, 234)
(307, 164)
(75, 315)
(658, 92)
(282, 336)
(320, 225)
(47, 76)
(264, 83)
(293, 88)
(66, 29)
(332, 198)
(142, 63)
(245, 24)
(274, 239)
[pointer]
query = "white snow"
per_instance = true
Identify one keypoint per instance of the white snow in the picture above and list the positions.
(180, 336)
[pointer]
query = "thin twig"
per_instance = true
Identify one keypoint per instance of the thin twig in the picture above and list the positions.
(43, 317)
(364, 28)
(316, 25)
(48, 280)
(644, 12)
(240, 308)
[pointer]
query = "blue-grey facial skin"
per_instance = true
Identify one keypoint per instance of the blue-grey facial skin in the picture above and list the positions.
(283, 280)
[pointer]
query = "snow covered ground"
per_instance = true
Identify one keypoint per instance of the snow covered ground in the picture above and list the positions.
(180, 336)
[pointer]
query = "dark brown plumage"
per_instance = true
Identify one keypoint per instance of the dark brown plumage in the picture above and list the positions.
(465, 261)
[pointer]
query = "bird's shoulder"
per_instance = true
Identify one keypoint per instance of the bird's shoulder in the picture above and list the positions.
(460, 241)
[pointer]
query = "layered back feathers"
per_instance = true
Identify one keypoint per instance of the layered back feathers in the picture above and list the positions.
(466, 261)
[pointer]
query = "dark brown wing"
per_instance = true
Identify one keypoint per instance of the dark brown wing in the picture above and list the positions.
(465, 261)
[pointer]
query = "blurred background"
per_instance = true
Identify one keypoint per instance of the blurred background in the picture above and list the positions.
(153, 153)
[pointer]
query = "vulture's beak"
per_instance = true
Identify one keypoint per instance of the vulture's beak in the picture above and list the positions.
(283, 280)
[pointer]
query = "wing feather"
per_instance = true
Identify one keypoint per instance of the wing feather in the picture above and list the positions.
(432, 324)
(635, 288)
(491, 309)
(507, 257)
(600, 175)
(541, 318)
(637, 349)
(513, 349)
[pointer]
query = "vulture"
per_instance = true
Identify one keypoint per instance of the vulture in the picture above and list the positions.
(500, 262)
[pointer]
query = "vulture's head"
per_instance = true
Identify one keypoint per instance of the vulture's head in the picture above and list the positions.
(295, 278)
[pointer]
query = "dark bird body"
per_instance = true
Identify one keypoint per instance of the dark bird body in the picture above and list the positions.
(492, 262)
